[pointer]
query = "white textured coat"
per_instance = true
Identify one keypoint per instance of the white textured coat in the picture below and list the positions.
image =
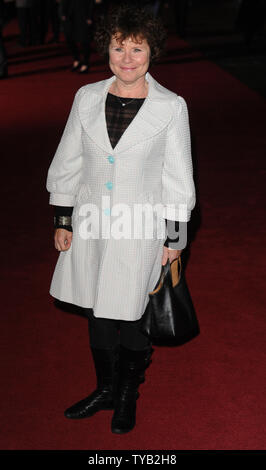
(151, 163)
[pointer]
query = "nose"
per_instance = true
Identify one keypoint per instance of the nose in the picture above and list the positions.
(127, 57)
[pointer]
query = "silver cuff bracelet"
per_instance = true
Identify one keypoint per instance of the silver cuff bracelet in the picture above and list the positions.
(62, 220)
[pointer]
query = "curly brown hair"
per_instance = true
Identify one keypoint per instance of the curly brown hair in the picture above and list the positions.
(134, 22)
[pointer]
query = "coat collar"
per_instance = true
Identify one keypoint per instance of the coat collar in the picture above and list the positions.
(153, 116)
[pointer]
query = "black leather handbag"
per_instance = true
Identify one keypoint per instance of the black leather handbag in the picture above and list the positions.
(170, 314)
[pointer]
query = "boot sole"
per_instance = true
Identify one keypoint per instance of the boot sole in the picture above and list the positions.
(121, 431)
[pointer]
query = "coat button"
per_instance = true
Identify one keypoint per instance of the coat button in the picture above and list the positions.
(111, 159)
(109, 185)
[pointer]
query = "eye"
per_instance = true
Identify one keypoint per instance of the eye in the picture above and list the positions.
(137, 49)
(118, 49)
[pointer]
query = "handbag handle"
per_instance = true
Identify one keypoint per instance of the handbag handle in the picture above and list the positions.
(175, 269)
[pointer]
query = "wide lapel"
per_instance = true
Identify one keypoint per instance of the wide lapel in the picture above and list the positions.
(151, 118)
(92, 113)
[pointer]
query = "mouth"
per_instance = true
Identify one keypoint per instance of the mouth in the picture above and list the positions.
(128, 68)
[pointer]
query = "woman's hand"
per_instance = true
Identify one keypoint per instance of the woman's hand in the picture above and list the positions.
(62, 239)
(171, 254)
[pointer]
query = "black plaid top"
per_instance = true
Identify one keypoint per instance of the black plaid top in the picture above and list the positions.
(118, 118)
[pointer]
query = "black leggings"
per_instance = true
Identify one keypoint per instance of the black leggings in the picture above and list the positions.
(106, 333)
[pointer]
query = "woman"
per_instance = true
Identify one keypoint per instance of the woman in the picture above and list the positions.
(77, 25)
(126, 142)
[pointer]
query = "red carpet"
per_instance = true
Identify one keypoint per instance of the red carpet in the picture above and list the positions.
(207, 394)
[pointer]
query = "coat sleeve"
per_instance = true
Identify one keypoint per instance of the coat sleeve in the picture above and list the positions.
(178, 190)
(65, 170)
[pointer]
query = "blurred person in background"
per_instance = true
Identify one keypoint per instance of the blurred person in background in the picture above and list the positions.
(49, 12)
(251, 19)
(3, 56)
(151, 5)
(99, 8)
(77, 17)
(156, 7)
(27, 13)
(181, 14)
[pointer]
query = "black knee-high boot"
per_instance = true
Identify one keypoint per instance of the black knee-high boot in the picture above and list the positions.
(131, 368)
(106, 367)
(149, 351)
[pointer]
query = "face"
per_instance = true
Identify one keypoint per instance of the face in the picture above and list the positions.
(129, 60)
